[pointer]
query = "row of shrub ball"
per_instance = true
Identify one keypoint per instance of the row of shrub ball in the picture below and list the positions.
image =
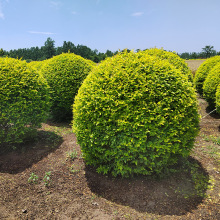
(134, 113)
(207, 80)
(32, 92)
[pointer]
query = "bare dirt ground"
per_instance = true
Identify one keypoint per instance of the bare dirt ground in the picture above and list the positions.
(194, 64)
(67, 189)
(75, 191)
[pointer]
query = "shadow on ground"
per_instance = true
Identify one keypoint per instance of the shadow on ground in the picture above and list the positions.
(212, 113)
(29, 153)
(65, 124)
(174, 194)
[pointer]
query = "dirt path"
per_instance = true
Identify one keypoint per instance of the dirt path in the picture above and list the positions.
(194, 64)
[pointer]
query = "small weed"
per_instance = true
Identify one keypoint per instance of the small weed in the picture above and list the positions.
(72, 155)
(215, 140)
(73, 169)
(47, 179)
(33, 178)
(206, 138)
(81, 156)
(213, 152)
(115, 212)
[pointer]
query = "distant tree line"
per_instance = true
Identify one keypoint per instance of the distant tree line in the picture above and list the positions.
(207, 51)
(49, 50)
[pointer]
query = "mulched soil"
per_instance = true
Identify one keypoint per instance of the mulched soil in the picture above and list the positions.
(75, 191)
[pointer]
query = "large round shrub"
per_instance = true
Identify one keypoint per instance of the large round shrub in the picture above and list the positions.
(173, 59)
(210, 85)
(203, 71)
(24, 98)
(135, 115)
(218, 99)
(65, 74)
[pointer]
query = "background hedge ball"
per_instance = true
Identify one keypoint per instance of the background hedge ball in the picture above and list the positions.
(218, 99)
(135, 115)
(65, 74)
(203, 71)
(24, 98)
(210, 85)
(172, 58)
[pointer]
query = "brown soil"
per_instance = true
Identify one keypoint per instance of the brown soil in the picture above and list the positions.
(78, 192)
(194, 64)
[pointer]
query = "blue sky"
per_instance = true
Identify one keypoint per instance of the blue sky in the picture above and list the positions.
(176, 25)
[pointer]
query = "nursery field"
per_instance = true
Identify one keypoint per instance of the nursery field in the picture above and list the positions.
(194, 64)
(67, 189)
(46, 178)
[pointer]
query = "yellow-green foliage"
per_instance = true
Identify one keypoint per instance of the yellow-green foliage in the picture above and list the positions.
(218, 99)
(65, 74)
(37, 64)
(24, 98)
(173, 59)
(203, 71)
(210, 85)
(135, 115)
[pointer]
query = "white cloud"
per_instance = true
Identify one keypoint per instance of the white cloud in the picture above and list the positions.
(2, 4)
(137, 14)
(55, 4)
(2, 16)
(40, 32)
(74, 12)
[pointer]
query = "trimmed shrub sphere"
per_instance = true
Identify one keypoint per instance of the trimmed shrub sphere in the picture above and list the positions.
(24, 98)
(210, 85)
(135, 115)
(203, 71)
(218, 99)
(65, 74)
(172, 58)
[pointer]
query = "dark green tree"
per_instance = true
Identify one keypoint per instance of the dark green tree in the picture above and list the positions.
(208, 50)
(194, 55)
(109, 53)
(49, 48)
(68, 47)
(2, 52)
(84, 51)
